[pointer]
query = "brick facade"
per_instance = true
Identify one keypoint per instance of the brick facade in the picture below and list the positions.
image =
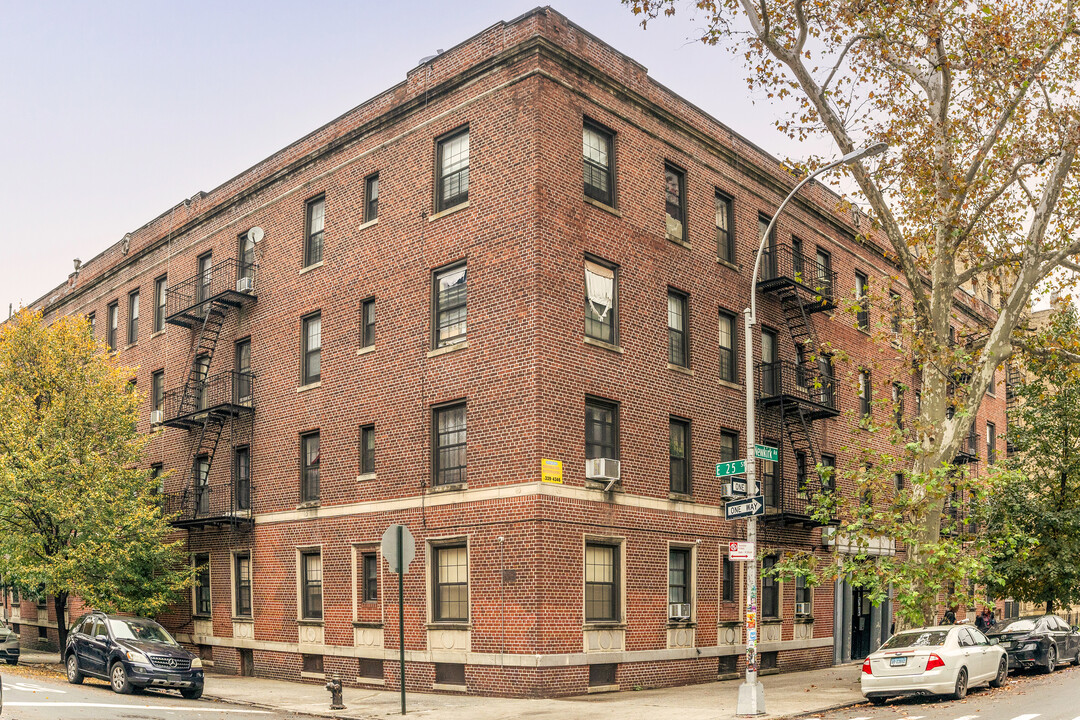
(523, 89)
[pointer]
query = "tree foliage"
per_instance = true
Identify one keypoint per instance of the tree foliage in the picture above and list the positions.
(978, 104)
(76, 515)
(1041, 499)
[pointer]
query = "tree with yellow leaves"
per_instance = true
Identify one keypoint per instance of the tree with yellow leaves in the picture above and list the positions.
(76, 515)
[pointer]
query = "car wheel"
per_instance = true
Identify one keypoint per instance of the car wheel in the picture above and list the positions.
(961, 685)
(192, 693)
(1051, 660)
(878, 701)
(12, 661)
(1002, 674)
(74, 675)
(1076, 660)
(119, 680)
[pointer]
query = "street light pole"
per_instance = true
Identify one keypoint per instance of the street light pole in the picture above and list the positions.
(751, 692)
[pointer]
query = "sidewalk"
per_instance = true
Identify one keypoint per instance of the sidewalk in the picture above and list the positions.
(786, 695)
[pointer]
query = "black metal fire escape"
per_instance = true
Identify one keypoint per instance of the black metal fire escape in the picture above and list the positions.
(206, 403)
(794, 395)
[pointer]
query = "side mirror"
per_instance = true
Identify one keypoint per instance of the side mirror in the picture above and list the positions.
(101, 638)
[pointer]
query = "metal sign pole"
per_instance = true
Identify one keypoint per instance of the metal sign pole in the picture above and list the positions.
(401, 608)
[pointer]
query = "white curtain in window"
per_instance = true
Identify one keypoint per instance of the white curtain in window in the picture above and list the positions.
(599, 288)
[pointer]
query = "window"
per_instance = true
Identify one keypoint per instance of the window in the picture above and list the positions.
(202, 369)
(369, 577)
(973, 438)
(824, 271)
(245, 254)
(313, 236)
(991, 389)
(601, 582)
(452, 183)
(801, 486)
(803, 596)
(725, 236)
(898, 481)
(157, 390)
(770, 590)
(601, 429)
(864, 394)
(157, 472)
(862, 300)
(367, 449)
(242, 468)
(770, 479)
(242, 571)
(90, 319)
(603, 674)
(242, 364)
(309, 467)
(678, 582)
(727, 347)
(729, 443)
(133, 317)
(202, 585)
(679, 455)
(768, 258)
(312, 664)
(114, 324)
(311, 360)
(828, 472)
(370, 668)
(991, 443)
(206, 276)
(450, 444)
(367, 323)
(598, 154)
(918, 403)
(770, 365)
(727, 593)
(678, 329)
(797, 259)
(898, 404)
(311, 585)
(202, 485)
(601, 298)
(897, 313)
(450, 295)
(451, 581)
(371, 198)
(675, 203)
(159, 303)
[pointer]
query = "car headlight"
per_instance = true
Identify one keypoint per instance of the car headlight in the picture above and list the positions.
(196, 664)
(136, 656)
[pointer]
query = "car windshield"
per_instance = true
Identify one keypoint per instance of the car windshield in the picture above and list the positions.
(145, 630)
(1022, 625)
(918, 638)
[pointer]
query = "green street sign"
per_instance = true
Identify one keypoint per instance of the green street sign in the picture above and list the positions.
(735, 467)
(764, 452)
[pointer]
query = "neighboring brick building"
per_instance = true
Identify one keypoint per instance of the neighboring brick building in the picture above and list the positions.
(602, 227)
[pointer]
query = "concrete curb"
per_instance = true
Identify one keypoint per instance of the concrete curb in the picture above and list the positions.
(275, 708)
(819, 711)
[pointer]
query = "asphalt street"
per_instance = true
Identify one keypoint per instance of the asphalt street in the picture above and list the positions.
(33, 697)
(1027, 696)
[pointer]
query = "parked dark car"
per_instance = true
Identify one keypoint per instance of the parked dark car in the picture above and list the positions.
(130, 653)
(1042, 641)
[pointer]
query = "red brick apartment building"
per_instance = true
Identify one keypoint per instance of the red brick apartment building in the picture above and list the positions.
(526, 251)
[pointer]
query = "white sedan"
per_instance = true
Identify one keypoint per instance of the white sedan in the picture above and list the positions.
(944, 660)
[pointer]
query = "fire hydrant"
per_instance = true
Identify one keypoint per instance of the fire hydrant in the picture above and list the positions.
(334, 686)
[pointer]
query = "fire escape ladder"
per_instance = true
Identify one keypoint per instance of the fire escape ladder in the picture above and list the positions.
(205, 447)
(205, 343)
(798, 321)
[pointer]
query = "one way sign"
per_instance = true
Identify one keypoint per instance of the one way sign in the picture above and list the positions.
(746, 507)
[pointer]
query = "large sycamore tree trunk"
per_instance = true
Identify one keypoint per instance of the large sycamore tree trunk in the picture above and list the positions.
(60, 607)
(977, 102)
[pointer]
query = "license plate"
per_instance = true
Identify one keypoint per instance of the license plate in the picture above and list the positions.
(172, 678)
(897, 662)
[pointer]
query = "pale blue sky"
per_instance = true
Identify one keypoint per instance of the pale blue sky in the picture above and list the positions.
(113, 111)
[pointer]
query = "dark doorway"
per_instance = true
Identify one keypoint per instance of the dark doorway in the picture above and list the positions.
(247, 663)
(860, 624)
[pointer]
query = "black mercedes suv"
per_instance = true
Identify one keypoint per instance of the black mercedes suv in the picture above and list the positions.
(130, 653)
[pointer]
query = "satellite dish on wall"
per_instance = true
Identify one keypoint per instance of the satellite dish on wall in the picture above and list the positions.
(255, 234)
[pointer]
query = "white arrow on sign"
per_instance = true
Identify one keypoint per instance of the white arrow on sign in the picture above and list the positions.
(744, 508)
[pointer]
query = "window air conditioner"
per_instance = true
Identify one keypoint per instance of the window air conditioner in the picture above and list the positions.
(602, 469)
(244, 284)
(157, 417)
(802, 608)
(679, 611)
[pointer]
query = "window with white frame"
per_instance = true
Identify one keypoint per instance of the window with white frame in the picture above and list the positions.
(601, 301)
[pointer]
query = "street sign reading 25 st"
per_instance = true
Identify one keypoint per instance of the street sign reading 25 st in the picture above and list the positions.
(735, 467)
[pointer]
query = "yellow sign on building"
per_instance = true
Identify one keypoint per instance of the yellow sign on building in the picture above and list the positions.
(551, 471)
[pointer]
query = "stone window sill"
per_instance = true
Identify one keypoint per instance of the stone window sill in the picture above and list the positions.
(449, 688)
(453, 347)
(443, 625)
(366, 350)
(131, 345)
(603, 206)
(309, 622)
(732, 385)
(309, 505)
(680, 369)
(604, 625)
(368, 224)
(449, 211)
(309, 386)
(370, 625)
(156, 334)
(679, 241)
(681, 497)
(727, 264)
(370, 681)
(673, 624)
(311, 267)
(245, 620)
(451, 487)
(193, 616)
(807, 619)
(603, 689)
(365, 476)
(598, 485)
(312, 676)
(601, 344)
